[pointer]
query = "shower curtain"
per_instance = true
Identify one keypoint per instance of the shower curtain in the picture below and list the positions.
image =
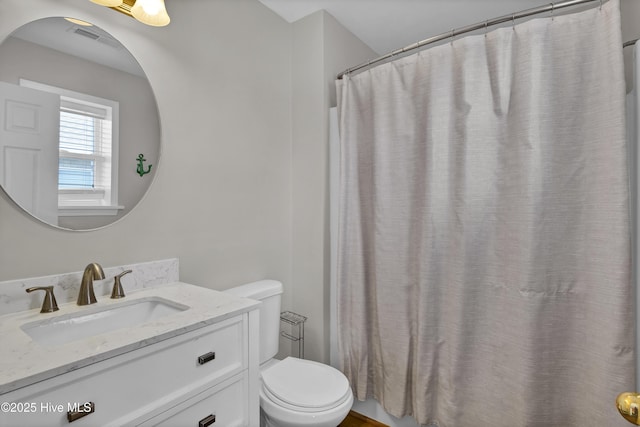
(484, 249)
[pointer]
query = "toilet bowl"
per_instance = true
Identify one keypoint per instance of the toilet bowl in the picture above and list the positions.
(293, 392)
(296, 392)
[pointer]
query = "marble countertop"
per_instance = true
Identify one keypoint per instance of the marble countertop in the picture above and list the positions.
(24, 361)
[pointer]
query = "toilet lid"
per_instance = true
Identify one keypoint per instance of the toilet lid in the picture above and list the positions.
(306, 384)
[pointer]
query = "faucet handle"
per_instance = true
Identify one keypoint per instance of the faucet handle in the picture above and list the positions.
(117, 291)
(49, 305)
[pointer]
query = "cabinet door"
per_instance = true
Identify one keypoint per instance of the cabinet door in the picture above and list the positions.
(224, 405)
(135, 385)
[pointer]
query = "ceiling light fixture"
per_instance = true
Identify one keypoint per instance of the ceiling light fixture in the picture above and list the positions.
(149, 12)
(108, 3)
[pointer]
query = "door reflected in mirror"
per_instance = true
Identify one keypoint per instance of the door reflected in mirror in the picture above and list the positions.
(77, 111)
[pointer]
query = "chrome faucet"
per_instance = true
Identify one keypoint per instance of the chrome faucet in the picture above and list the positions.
(91, 272)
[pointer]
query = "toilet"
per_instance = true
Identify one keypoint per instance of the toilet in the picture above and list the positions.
(293, 392)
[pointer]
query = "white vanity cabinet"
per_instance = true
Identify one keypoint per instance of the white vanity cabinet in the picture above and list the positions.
(207, 376)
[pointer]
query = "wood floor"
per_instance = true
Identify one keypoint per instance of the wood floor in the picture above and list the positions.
(355, 419)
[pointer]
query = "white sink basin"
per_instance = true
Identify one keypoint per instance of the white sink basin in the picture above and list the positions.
(100, 320)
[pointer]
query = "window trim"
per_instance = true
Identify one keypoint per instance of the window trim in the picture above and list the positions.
(78, 210)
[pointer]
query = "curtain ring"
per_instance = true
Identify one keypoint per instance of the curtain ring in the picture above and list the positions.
(513, 22)
(452, 35)
(486, 23)
(553, 8)
(600, 4)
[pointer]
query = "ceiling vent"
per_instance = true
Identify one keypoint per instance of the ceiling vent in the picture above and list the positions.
(100, 38)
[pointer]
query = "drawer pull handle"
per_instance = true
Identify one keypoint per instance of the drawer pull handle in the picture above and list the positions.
(87, 408)
(206, 358)
(207, 421)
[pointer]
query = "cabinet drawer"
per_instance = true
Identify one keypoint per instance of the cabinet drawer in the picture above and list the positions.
(224, 405)
(143, 381)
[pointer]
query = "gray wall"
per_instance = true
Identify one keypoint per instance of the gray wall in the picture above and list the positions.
(241, 191)
(321, 49)
(221, 201)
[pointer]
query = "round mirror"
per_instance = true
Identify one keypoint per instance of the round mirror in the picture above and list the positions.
(79, 131)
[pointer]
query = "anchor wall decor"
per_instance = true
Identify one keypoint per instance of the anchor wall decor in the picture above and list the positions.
(140, 169)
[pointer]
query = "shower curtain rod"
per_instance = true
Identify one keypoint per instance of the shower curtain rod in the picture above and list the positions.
(551, 7)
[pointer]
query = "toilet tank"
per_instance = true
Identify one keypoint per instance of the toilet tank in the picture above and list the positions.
(269, 292)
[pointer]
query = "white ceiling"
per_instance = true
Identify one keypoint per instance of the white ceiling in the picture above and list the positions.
(386, 25)
(64, 36)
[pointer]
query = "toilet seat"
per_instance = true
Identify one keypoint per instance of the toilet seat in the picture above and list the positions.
(305, 385)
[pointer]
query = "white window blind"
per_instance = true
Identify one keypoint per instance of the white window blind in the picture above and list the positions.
(77, 150)
(84, 177)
